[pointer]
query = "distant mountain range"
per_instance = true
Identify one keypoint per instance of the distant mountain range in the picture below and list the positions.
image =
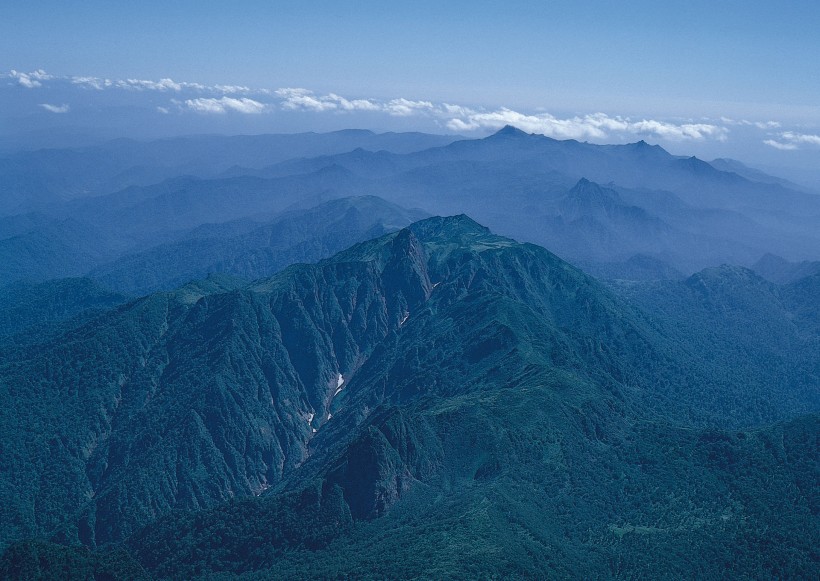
(437, 400)
(33, 180)
(81, 212)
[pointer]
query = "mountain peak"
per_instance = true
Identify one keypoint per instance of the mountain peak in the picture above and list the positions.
(585, 196)
(445, 227)
(646, 148)
(588, 188)
(510, 131)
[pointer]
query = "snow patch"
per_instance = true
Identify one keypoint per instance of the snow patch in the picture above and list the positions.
(340, 383)
(315, 430)
(310, 418)
(407, 316)
(329, 416)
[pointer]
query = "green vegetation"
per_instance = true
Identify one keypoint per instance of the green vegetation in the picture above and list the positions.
(439, 402)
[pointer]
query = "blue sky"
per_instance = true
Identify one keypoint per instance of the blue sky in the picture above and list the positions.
(681, 63)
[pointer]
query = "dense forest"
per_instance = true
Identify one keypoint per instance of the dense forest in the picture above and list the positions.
(436, 402)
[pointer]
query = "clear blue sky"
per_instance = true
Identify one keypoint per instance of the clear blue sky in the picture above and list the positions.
(644, 56)
(657, 59)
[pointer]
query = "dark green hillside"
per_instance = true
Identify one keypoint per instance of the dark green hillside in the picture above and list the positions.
(514, 483)
(436, 402)
(23, 305)
(39, 560)
(59, 401)
(489, 435)
(759, 341)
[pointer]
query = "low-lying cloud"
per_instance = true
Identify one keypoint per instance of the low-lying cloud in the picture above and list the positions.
(55, 108)
(791, 140)
(163, 85)
(32, 80)
(225, 104)
(465, 119)
(779, 145)
(593, 126)
(294, 99)
(298, 99)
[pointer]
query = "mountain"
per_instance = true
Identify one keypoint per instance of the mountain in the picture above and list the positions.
(594, 223)
(124, 229)
(682, 212)
(252, 249)
(638, 267)
(513, 182)
(435, 400)
(31, 180)
(781, 271)
(752, 328)
(750, 173)
(507, 492)
(39, 248)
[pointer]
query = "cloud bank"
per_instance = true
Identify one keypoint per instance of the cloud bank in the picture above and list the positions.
(465, 119)
(188, 97)
(593, 126)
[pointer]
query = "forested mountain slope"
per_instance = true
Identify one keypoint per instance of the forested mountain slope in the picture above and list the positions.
(475, 397)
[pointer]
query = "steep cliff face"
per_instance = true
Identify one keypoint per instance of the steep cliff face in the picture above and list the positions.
(184, 399)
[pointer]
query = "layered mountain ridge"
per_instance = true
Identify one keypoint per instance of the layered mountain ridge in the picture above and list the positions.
(438, 362)
(682, 212)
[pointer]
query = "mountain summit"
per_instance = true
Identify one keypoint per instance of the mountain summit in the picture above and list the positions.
(510, 131)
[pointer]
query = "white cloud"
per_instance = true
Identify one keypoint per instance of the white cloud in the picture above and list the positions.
(791, 140)
(800, 138)
(161, 85)
(593, 126)
(55, 108)
(163, 110)
(464, 119)
(225, 104)
(30, 80)
(747, 123)
(231, 89)
(778, 145)
(404, 107)
(295, 98)
(164, 85)
(457, 110)
(304, 99)
(92, 82)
